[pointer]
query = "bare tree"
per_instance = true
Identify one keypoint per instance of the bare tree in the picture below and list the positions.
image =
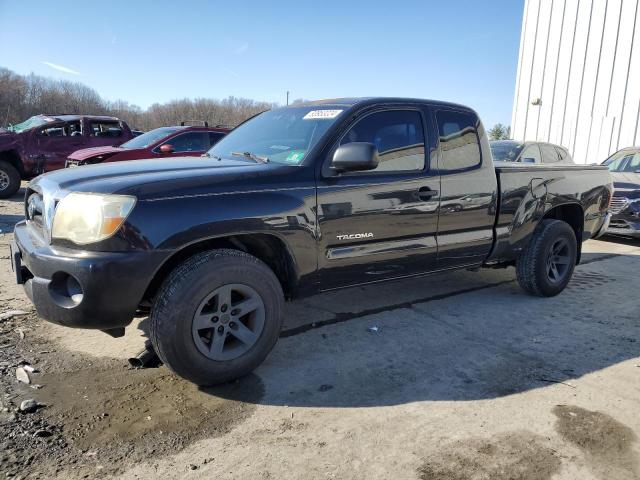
(23, 96)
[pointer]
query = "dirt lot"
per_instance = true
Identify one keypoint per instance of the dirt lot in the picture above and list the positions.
(466, 378)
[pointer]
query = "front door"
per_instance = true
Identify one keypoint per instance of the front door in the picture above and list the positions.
(185, 144)
(382, 223)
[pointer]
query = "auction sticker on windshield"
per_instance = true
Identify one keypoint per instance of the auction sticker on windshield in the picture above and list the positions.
(294, 156)
(321, 114)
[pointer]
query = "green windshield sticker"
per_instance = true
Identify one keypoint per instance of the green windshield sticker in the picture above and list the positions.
(295, 156)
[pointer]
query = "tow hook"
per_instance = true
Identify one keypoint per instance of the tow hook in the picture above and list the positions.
(146, 358)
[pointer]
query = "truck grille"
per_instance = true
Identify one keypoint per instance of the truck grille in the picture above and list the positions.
(618, 204)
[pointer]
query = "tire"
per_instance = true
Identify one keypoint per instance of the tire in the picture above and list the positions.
(194, 293)
(9, 179)
(554, 242)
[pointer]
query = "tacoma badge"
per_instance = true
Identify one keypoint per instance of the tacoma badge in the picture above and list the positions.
(355, 236)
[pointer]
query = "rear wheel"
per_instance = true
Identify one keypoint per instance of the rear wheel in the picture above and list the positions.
(546, 266)
(9, 179)
(217, 316)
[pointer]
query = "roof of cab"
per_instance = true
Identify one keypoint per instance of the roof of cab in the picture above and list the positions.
(364, 101)
(71, 117)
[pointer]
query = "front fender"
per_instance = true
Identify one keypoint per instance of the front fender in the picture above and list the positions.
(176, 223)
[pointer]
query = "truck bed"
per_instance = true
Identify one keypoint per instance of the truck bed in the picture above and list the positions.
(525, 192)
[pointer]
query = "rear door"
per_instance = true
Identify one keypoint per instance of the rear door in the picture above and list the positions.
(56, 142)
(468, 190)
(382, 223)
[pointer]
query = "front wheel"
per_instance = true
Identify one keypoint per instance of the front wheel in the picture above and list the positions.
(217, 316)
(546, 266)
(9, 179)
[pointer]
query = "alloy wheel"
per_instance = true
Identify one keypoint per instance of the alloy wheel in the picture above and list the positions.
(228, 322)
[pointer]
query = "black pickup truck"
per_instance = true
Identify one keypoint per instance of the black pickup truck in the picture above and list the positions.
(297, 200)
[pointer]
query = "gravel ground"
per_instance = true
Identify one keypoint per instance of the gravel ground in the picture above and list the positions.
(466, 378)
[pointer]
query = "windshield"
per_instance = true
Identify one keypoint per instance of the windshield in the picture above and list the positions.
(506, 152)
(284, 135)
(149, 138)
(33, 122)
(625, 161)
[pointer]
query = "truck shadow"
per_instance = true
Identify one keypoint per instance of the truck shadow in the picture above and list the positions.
(7, 222)
(482, 343)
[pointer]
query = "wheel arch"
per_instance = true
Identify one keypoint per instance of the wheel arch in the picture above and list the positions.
(573, 214)
(269, 248)
(13, 158)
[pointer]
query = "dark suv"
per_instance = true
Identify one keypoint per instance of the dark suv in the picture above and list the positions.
(159, 143)
(624, 166)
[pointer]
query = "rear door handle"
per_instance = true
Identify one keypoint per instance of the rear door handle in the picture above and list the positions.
(426, 193)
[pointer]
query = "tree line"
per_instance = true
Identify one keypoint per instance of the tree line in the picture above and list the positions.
(22, 96)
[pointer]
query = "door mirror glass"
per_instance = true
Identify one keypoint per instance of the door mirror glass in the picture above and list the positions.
(166, 148)
(355, 156)
(528, 160)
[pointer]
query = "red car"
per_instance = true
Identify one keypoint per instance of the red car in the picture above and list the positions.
(159, 143)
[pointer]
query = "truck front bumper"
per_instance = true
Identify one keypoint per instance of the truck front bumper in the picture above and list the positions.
(80, 288)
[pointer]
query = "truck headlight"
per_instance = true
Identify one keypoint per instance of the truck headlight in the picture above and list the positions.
(89, 217)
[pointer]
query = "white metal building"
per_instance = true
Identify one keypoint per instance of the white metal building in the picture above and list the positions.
(578, 82)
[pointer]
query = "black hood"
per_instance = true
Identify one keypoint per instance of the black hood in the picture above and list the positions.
(157, 178)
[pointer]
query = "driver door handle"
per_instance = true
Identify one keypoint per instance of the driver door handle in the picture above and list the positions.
(426, 193)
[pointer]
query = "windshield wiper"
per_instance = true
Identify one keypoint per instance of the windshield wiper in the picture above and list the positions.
(207, 154)
(252, 156)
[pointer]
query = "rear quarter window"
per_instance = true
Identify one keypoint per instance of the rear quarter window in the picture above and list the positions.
(105, 129)
(458, 139)
(549, 154)
(564, 155)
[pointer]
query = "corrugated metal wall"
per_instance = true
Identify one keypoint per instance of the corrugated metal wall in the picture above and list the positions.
(578, 82)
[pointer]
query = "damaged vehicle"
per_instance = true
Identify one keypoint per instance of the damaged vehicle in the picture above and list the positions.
(297, 200)
(43, 142)
(624, 166)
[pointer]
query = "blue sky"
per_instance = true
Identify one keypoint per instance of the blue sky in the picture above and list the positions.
(146, 52)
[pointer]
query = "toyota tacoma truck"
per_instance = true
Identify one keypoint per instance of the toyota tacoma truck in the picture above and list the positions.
(295, 201)
(43, 142)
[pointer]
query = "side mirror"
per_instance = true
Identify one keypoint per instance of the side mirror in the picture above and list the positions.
(354, 157)
(166, 148)
(528, 160)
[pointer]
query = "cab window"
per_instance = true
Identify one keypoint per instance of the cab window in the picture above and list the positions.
(105, 129)
(549, 154)
(398, 135)
(189, 142)
(531, 154)
(214, 137)
(459, 142)
(71, 129)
